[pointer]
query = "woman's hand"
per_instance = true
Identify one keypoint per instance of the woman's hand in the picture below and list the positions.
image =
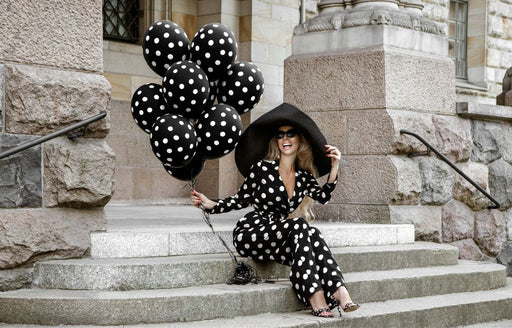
(199, 199)
(335, 156)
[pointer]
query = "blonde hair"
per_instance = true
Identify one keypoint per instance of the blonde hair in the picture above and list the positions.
(304, 161)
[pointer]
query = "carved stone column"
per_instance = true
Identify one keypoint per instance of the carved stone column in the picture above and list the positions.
(364, 70)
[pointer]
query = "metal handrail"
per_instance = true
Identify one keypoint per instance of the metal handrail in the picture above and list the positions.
(55, 134)
(447, 161)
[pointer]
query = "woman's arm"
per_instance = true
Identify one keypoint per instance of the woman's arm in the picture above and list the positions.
(335, 156)
(236, 202)
(199, 199)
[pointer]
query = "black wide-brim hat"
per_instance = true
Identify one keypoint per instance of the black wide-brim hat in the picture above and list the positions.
(253, 144)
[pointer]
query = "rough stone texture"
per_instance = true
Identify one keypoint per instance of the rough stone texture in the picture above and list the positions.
(433, 78)
(64, 34)
(508, 219)
(437, 181)
(15, 279)
(505, 257)
(500, 182)
(336, 80)
(27, 235)
(458, 221)
(506, 142)
(2, 97)
(418, 123)
(20, 176)
(426, 219)
(409, 181)
(366, 180)
(486, 141)
(369, 132)
(78, 173)
(466, 192)
(468, 250)
(41, 100)
(490, 231)
(453, 137)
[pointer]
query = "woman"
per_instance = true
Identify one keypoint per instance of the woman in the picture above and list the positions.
(281, 187)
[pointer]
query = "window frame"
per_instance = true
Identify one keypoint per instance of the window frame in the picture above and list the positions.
(121, 17)
(458, 25)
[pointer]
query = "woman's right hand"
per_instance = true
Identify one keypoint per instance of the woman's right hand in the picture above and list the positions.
(199, 199)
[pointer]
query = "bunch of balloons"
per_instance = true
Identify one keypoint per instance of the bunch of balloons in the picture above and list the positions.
(185, 125)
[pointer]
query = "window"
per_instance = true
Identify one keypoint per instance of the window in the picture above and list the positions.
(121, 20)
(457, 38)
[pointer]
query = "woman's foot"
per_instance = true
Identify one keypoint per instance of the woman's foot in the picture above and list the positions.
(324, 313)
(346, 303)
(318, 306)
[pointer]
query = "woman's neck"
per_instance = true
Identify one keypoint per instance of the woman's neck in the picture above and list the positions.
(287, 163)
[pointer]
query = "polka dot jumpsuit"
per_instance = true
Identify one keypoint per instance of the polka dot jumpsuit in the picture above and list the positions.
(267, 234)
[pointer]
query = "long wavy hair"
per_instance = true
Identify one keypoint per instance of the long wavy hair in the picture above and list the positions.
(304, 161)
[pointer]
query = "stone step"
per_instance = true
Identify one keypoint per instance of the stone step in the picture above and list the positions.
(483, 309)
(85, 307)
(189, 270)
(166, 241)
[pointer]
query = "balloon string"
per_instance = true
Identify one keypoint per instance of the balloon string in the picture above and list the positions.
(206, 219)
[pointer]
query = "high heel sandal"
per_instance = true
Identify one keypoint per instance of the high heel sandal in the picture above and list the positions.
(349, 307)
(323, 313)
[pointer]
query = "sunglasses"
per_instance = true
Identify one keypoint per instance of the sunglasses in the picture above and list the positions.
(290, 133)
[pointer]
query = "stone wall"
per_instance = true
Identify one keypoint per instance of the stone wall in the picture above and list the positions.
(52, 195)
(489, 45)
(363, 83)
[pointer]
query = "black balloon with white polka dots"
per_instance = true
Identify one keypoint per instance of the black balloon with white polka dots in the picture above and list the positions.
(186, 89)
(214, 48)
(147, 105)
(241, 87)
(213, 94)
(173, 140)
(218, 130)
(163, 44)
(189, 171)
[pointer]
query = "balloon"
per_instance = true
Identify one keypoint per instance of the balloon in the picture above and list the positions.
(173, 140)
(164, 43)
(147, 105)
(186, 89)
(218, 130)
(213, 94)
(214, 48)
(189, 171)
(242, 86)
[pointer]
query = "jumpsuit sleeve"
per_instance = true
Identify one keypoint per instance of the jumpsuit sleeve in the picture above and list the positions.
(242, 198)
(321, 194)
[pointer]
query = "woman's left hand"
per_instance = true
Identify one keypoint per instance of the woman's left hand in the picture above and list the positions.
(334, 154)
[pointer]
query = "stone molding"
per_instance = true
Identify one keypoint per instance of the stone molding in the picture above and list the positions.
(484, 111)
(341, 19)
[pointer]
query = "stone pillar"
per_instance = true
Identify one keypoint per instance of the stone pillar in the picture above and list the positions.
(52, 195)
(364, 70)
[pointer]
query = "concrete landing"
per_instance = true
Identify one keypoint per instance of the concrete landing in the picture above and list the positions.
(149, 231)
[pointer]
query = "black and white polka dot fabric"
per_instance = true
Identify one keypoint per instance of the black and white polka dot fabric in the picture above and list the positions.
(186, 89)
(267, 234)
(147, 105)
(214, 48)
(164, 43)
(173, 140)
(242, 86)
(218, 130)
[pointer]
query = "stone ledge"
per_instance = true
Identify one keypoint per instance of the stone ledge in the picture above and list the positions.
(484, 111)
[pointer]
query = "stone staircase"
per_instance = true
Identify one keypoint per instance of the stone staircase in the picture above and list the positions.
(152, 270)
